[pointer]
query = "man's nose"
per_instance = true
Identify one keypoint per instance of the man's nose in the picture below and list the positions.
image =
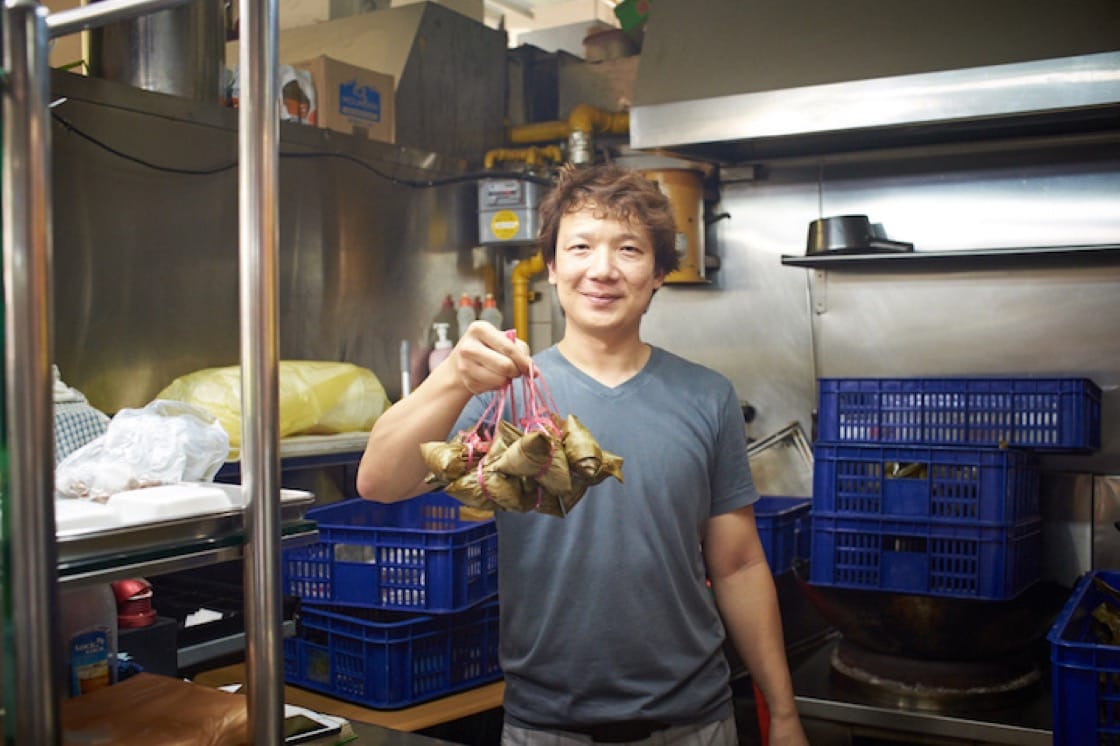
(602, 262)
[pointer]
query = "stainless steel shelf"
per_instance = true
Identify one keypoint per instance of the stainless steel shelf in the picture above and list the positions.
(193, 655)
(1037, 256)
(173, 545)
(173, 558)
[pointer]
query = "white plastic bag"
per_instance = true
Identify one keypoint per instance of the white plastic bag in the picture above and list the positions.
(164, 443)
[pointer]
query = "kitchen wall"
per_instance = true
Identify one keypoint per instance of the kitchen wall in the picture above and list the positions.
(145, 260)
(365, 261)
(775, 328)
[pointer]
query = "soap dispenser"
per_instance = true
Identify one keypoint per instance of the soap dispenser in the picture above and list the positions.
(442, 347)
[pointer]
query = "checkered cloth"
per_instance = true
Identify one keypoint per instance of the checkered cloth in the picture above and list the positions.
(75, 424)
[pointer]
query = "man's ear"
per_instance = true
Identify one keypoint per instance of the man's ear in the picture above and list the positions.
(551, 272)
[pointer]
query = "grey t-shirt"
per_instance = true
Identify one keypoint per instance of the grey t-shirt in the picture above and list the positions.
(605, 614)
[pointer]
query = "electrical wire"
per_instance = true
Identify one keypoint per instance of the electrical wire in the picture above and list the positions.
(228, 165)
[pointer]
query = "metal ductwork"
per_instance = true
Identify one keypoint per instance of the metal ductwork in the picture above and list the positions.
(735, 80)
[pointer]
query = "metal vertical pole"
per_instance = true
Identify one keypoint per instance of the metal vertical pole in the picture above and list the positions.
(258, 136)
(27, 356)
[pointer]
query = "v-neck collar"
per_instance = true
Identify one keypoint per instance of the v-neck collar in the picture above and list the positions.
(633, 383)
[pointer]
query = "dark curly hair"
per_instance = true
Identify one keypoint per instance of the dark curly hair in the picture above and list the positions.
(618, 193)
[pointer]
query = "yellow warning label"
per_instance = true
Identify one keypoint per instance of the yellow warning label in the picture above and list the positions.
(505, 224)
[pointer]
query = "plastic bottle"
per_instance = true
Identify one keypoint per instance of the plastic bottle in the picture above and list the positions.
(89, 634)
(491, 312)
(445, 315)
(464, 315)
(442, 347)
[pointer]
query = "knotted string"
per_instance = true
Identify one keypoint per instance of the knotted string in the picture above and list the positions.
(538, 415)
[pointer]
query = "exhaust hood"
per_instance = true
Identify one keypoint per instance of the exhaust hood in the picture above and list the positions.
(735, 80)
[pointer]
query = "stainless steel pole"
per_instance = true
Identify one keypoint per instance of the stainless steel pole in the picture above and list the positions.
(102, 13)
(27, 357)
(258, 137)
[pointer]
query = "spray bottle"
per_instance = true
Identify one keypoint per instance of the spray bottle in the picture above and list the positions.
(442, 347)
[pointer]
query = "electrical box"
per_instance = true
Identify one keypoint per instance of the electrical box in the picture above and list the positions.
(507, 211)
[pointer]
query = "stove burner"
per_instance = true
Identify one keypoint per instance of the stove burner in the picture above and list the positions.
(934, 685)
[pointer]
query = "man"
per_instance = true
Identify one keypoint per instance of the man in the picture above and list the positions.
(609, 633)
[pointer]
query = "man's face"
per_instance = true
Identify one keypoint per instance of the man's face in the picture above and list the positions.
(604, 272)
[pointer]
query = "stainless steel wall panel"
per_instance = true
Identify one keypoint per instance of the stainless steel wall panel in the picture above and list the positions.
(146, 261)
(1066, 504)
(1106, 522)
(752, 323)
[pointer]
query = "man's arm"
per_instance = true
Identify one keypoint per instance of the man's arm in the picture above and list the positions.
(748, 602)
(391, 468)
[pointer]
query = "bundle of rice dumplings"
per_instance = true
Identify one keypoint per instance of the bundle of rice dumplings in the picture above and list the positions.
(547, 468)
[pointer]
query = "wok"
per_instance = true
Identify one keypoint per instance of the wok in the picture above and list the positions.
(935, 627)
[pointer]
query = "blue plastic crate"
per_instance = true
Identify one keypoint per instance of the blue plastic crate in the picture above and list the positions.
(1060, 414)
(1085, 673)
(417, 555)
(387, 660)
(778, 519)
(943, 484)
(926, 558)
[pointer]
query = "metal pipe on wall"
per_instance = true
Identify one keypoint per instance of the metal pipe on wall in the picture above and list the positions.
(258, 229)
(27, 358)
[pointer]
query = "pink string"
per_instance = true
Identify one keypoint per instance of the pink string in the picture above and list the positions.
(475, 440)
(482, 484)
(538, 403)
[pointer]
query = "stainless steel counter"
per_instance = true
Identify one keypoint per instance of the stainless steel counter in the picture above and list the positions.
(834, 713)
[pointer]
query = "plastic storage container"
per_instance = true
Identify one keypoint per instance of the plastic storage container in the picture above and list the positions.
(1061, 414)
(955, 485)
(416, 555)
(778, 520)
(1085, 673)
(387, 661)
(923, 557)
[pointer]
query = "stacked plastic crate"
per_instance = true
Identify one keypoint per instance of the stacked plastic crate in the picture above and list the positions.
(398, 603)
(1085, 660)
(930, 485)
(782, 529)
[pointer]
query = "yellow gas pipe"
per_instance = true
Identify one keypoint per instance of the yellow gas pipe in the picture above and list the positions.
(582, 118)
(531, 156)
(520, 277)
(584, 121)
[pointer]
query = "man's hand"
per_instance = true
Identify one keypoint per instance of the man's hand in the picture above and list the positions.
(787, 731)
(486, 358)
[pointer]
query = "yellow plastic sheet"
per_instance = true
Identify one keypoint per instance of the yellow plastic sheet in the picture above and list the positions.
(316, 397)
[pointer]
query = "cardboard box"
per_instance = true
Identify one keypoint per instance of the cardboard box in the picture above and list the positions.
(351, 99)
